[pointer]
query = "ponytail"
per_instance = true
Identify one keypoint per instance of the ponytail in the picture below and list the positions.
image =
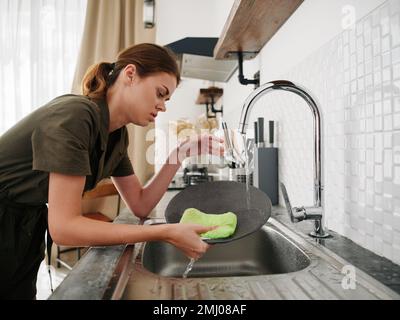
(148, 59)
(96, 80)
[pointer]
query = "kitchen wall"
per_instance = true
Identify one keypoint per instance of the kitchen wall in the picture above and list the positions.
(177, 19)
(347, 53)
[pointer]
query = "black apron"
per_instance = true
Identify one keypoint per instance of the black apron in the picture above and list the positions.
(22, 247)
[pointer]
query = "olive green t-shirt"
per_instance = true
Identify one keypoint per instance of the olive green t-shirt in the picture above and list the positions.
(68, 135)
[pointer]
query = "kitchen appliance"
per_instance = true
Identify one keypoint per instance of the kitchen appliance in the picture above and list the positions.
(191, 178)
(252, 207)
(196, 59)
(192, 175)
(240, 175)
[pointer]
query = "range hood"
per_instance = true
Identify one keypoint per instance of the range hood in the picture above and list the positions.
(196, 59)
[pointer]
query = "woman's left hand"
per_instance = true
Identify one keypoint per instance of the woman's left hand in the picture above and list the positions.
(201, 145)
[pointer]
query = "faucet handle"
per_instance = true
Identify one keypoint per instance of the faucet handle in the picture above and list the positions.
(300, 212)
(305, 213)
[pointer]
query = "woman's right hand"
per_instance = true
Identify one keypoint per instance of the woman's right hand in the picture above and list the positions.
(186, 237)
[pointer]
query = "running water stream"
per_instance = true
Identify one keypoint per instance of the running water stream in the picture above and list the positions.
(189, 267)
(248, 166)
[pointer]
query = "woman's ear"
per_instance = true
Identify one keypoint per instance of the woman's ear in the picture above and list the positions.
(130, 72)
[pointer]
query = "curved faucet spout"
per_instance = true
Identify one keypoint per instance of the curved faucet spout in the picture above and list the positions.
(290, 86)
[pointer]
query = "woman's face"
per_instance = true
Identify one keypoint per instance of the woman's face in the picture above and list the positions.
(144, 97)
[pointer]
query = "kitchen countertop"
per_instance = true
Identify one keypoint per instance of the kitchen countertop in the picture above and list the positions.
(380, 268)
(105, 272)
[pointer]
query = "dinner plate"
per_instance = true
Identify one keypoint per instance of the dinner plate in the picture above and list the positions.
(251, 206)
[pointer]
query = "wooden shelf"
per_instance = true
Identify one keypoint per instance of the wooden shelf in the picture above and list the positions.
(251, 24)
(206, 94)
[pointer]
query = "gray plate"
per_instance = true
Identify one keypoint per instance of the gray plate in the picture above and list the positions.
(252, 208)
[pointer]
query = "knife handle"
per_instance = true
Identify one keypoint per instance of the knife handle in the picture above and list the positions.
(260, 127)
(255, 133)
(271, 133)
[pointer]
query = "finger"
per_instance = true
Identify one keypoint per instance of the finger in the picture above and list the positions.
(202, 229)
(216, 144)
(218, 139)
(191, 254)
(201, 250)
(214, 139)
(218, 151)
(198, 253)
(208, 138)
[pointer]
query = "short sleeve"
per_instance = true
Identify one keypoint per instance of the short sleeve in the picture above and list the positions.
(124, 167)
(62, 142)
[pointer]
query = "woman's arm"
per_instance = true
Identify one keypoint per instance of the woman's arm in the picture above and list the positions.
(141, 200)
(68, 227)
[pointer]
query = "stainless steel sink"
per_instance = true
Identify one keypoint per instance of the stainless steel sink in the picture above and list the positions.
(264, 252)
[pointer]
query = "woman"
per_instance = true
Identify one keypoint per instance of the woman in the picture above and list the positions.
(67, 146)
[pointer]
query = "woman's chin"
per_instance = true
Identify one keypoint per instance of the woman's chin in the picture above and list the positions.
(142, 123)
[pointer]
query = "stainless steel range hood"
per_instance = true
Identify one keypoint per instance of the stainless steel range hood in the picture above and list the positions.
(195, 58)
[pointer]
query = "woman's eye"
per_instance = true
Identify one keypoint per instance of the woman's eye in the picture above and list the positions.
(160, 95)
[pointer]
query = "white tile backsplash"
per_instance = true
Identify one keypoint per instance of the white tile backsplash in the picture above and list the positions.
(355, 78)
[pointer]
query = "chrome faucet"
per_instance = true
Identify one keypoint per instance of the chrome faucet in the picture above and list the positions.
(301, 213)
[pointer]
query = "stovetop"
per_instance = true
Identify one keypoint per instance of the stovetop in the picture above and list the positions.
(189, 178)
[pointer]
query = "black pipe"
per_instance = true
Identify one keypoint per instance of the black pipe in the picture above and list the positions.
(241, 77)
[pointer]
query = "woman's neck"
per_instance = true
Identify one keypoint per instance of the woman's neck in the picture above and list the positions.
(117, 119)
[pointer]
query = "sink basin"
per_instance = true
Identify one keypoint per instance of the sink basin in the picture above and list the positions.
(266, 251)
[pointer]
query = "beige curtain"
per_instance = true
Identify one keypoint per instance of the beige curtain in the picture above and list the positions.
(110, 27)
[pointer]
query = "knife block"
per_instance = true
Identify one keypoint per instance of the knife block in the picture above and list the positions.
(265, 176)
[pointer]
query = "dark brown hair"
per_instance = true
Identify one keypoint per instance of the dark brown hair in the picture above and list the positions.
(147, 57)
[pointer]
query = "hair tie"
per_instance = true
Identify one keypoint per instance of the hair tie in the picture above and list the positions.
(112, 66)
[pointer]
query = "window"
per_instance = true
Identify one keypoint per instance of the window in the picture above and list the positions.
(39, 46)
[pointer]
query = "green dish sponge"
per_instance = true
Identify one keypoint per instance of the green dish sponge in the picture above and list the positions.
(226, 222)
